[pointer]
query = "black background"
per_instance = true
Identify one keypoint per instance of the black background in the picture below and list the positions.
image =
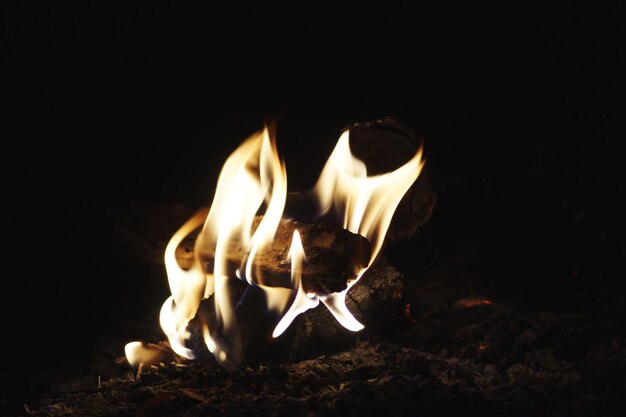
(116, 102)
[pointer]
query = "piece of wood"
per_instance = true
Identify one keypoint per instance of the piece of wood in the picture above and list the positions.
(334, 256)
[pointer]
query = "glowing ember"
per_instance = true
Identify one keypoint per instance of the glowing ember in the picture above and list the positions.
(468, 302)
(137, 352)
(252, 179)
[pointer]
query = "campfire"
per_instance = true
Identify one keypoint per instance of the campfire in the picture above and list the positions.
(262, 256)
(290, 306)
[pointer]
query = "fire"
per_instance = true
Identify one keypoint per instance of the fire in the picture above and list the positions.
(254, 180)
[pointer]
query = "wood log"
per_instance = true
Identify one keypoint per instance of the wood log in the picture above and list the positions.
(334, 256)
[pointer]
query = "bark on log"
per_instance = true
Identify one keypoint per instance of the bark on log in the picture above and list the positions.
(334, 256)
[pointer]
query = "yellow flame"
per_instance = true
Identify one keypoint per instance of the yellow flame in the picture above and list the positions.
(134, 351)
(186, 286)
(251, 175)
(302, 301)
(274, 177)
(366, 205)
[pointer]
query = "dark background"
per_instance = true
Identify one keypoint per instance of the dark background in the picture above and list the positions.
(520, 110)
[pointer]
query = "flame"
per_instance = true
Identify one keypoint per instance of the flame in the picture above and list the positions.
(186, 287)
(138, 352)
(251, 175)
(302, 301)
(364, 204)
(134, 352)
(254, 178)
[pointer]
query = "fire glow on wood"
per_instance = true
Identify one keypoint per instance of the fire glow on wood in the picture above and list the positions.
(253, 181)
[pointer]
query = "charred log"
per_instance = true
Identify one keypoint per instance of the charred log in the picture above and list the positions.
(335, 256)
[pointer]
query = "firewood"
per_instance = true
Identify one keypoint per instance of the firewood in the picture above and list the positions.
(334, 256)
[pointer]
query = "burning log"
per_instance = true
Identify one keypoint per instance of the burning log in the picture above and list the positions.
(335, 256)
(376, 301)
